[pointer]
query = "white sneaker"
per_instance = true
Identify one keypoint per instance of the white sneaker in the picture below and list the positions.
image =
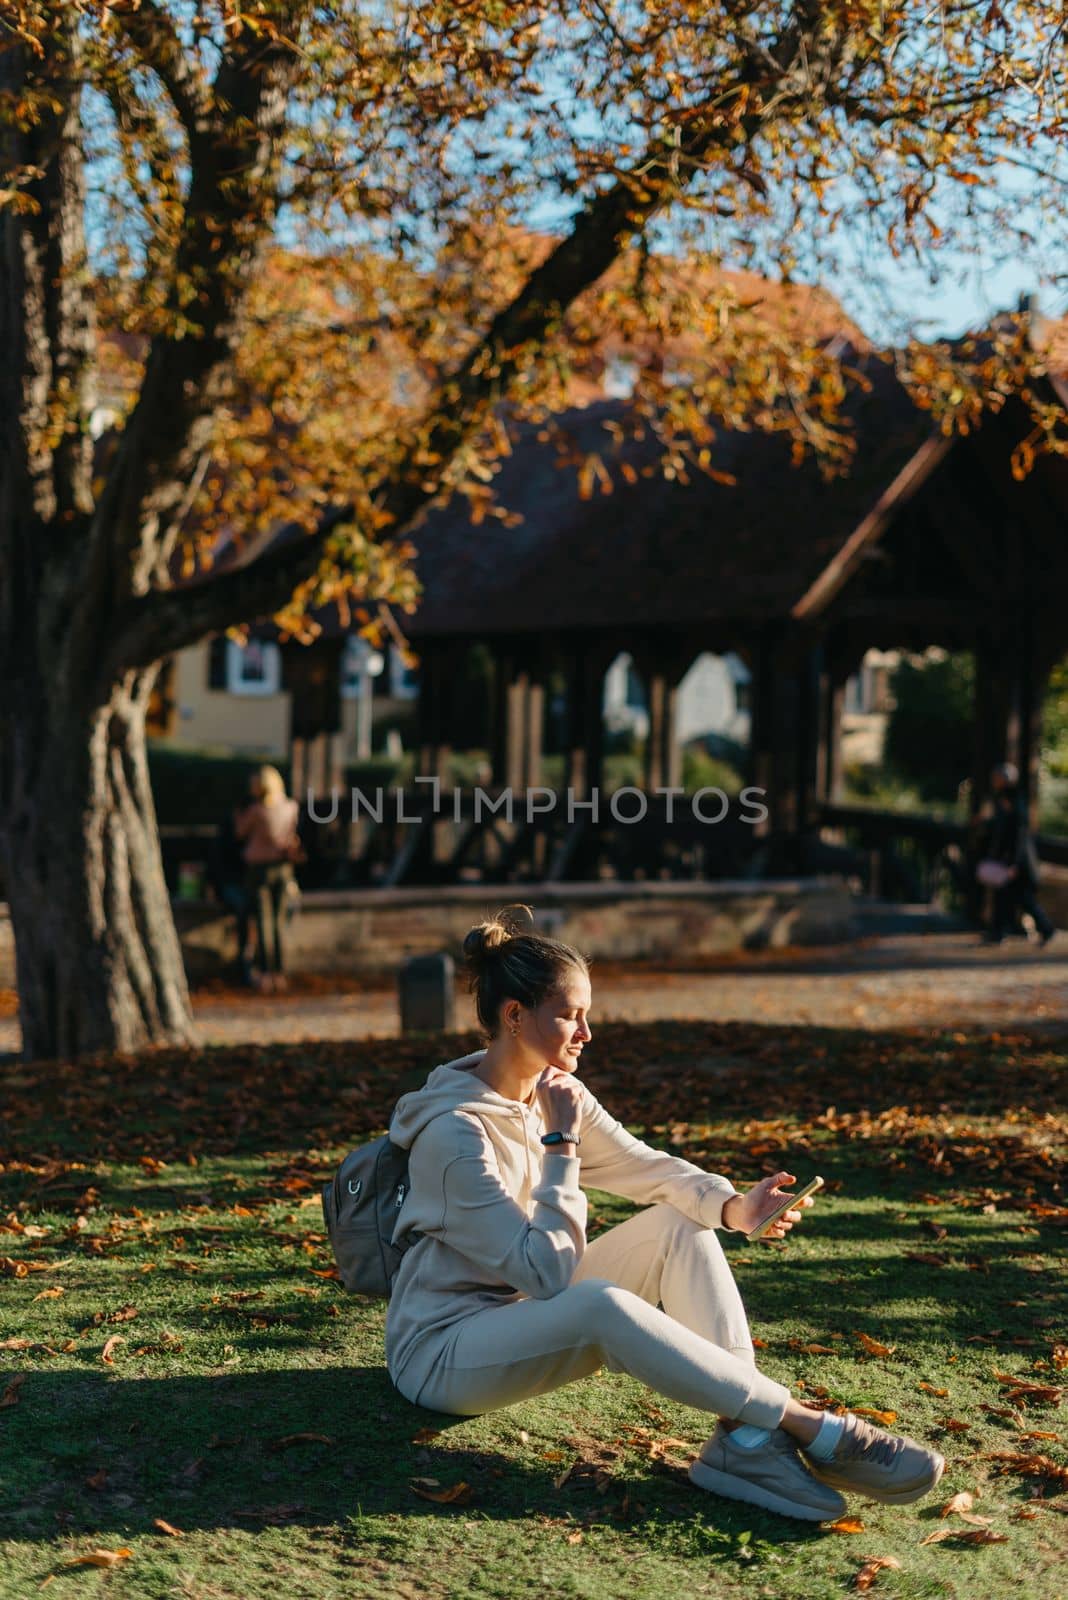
(772, 1475)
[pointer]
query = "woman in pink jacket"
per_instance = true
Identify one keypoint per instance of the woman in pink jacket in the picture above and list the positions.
(502, 1298)
(267, 829)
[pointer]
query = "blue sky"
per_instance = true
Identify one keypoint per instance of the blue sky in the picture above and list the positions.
(970, 292)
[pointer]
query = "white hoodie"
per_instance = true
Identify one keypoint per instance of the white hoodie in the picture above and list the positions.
(502, 1216)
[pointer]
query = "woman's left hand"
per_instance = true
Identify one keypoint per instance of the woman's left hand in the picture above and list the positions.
(744, 1212)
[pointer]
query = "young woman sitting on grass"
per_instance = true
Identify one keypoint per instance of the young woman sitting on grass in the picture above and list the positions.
(503, 1298)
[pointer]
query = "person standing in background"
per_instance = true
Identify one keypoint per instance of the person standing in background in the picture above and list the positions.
(1011, 844)
(267, 828)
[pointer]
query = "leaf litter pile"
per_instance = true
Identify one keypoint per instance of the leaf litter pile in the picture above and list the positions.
(165, 1173)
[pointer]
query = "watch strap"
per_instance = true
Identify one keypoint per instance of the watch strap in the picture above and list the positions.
(560, 1138)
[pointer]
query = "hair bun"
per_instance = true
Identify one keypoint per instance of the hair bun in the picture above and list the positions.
(488, 937)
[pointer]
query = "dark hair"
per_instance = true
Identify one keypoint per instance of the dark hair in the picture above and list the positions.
(507, 960)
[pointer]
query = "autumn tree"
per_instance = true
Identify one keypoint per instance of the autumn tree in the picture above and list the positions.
(163, 161)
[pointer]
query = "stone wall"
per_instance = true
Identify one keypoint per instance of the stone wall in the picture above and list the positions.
(375, 930)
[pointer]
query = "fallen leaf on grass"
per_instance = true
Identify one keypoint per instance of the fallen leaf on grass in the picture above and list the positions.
(929, 1388)
(1021, 1389)
(107, 1355)
(872, 1346)
(1029, 1466)
(954, 1425)
(11, 1268)
(960, 1502)
(871, 1569)
(289, 1439)
(1039, 1434)
(658, 1447)
(169, 1345)
(10, 1396)
(165, 1527)
(885, 1419)
(1024, 1515)
(576, 1537)
(281, 1513)
(846, 1525)
(99, 1558)
(975, 1536)
(457, 1494)
(926, 1258)
(97, 1480)
(813, 1349)
(425, 1435)
(50, 1294)
(16, 1344)
(124, 1314)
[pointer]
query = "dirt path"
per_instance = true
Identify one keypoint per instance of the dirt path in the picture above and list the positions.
(946, 980)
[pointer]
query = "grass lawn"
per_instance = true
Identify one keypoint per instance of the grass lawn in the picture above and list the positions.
(184, 1381)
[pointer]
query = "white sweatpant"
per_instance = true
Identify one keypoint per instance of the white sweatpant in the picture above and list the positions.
(697, 1349)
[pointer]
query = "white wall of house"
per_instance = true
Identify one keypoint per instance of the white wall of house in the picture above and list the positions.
(709, 698)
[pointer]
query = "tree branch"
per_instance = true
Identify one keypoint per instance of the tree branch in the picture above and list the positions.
(153, 35)
(228, 212)
(164, 621)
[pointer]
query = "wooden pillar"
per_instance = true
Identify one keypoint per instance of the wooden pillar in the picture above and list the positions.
(534, 731)
(808, 736)
(434, 748)
(838, 662)
(503, 667)
(585, 665)
(656, 689)
(663, 754)
(830, 777)
(779, 755)
(519, 718)
(1037, 658)
(995, 735)
(517, 694)
(663, 670)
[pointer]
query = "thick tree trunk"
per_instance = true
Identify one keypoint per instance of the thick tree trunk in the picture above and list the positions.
(99, 963)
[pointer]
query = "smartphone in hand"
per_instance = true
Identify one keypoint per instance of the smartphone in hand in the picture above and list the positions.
(780, 1211)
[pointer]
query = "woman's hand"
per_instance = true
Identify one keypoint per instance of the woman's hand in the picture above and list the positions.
(744, 1212)
(560, 1096)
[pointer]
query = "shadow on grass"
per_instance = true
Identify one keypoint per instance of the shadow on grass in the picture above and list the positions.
(238, 1101)
(101, 1455)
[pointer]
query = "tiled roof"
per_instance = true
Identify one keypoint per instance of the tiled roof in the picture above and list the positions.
(653, 551)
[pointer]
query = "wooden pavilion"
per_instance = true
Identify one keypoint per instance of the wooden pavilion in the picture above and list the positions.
(928, 540)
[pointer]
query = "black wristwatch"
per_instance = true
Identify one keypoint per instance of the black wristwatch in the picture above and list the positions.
(561, 1138)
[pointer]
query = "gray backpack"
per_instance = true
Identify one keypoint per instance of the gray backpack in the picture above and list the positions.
(360, 1206)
